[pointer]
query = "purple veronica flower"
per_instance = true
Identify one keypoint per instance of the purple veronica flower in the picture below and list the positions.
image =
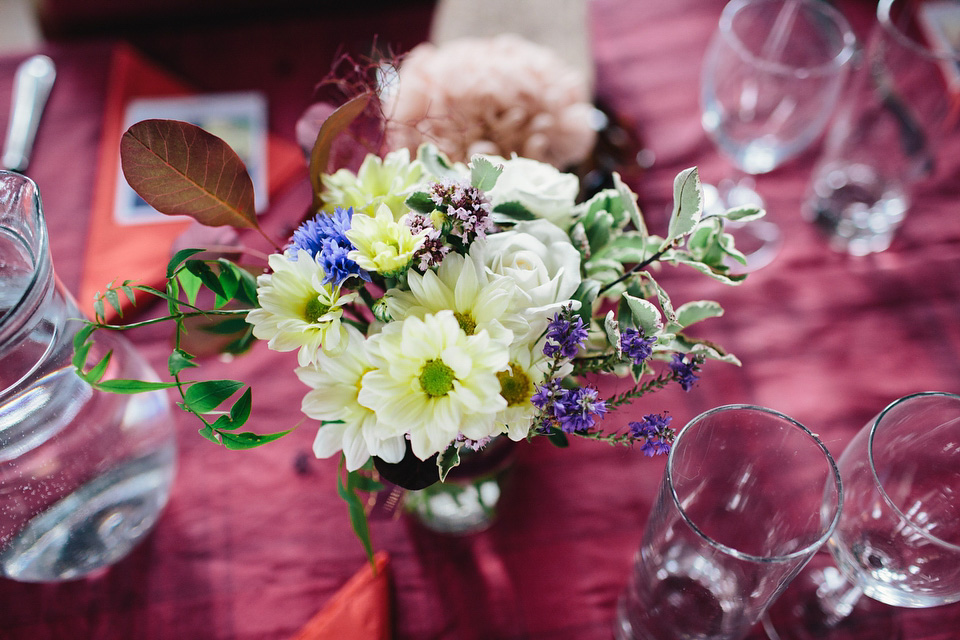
(550, 397)
(564, 337)
(684, 371)
(580, 410)
(655, 430)
(636, 346)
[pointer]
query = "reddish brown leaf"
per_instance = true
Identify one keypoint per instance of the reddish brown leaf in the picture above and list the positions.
(335, 124)
(180, 169)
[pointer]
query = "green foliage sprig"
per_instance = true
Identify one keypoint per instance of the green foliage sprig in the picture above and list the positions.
(186, 277)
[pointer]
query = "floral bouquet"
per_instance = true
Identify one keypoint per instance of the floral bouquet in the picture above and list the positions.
(433, 305)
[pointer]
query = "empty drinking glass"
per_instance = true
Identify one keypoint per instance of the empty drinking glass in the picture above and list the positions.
(902, 105)
(770, 80)
(898, 538)
(741, 509)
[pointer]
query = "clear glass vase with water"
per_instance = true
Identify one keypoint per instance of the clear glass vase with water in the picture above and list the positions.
(84, 475)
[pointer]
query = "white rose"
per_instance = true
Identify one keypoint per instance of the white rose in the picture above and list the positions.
(540, 187)
(543, 263)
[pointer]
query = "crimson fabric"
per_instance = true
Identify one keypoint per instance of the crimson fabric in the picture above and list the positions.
(254, 544)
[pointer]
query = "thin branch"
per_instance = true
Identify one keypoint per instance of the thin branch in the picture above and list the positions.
(637, 267)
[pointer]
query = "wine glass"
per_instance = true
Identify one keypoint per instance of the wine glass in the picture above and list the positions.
(769, 84)
(898, 539)
(734, 521)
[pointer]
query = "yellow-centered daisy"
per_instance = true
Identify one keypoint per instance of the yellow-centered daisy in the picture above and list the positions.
(298, 311)
(478, 298)
(432, 381)
(349, 426)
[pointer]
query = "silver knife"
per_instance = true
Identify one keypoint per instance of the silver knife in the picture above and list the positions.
(31, 88)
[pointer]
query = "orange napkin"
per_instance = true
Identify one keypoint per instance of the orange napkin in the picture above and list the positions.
(360, 610)
(140, 253)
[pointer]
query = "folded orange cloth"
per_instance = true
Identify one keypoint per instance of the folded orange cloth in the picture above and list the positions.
(140, 252)
(360, 610)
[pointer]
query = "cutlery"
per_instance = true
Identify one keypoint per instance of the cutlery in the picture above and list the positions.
(31, 88)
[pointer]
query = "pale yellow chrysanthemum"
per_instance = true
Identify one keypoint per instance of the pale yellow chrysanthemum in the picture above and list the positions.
(389, 181)
(478, 298)
(433, 381)
(335, 383)
(298, 311)
(383, 245)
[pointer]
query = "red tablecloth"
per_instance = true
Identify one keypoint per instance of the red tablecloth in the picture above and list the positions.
(254, 543)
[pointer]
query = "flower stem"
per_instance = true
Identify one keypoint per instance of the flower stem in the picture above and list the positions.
(638, 390)
(192, 314)
(637, 267)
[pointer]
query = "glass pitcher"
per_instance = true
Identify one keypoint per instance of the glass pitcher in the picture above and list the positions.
(84, 475)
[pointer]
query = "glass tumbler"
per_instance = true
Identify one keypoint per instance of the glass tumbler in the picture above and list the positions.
(748, 497)
(902, 105)
(83, 475)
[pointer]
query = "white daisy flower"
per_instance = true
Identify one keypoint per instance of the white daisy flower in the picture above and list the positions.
(298, 311)
(335, 383)
(383, 245)
(527, 368)
(478, 298)
(433, 381)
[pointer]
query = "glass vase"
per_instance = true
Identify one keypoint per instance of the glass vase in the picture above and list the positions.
(83, 475)
(466, 501)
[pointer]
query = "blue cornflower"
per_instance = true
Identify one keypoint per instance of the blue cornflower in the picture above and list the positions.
(655, 430)
(685, 372)
(337, 267)
(310, 235)
(324, 237)
(564, 336)
(636, 346)
(579, 410)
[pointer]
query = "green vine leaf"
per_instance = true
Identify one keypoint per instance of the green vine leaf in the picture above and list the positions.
(178, 361)
(178, 258)
(358, 516)
(207, 395)
(207, 276)
(240, 411)
(167, 161)
(82, 344)
(247, 440)
(190, 284)
(124, 385)
(96, 373)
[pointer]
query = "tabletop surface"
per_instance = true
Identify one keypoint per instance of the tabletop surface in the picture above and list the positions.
(254, 543)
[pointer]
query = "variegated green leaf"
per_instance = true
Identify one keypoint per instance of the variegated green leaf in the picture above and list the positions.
(645, 314)
(687, 204)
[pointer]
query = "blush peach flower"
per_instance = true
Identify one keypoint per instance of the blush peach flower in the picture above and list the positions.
(496, 96)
